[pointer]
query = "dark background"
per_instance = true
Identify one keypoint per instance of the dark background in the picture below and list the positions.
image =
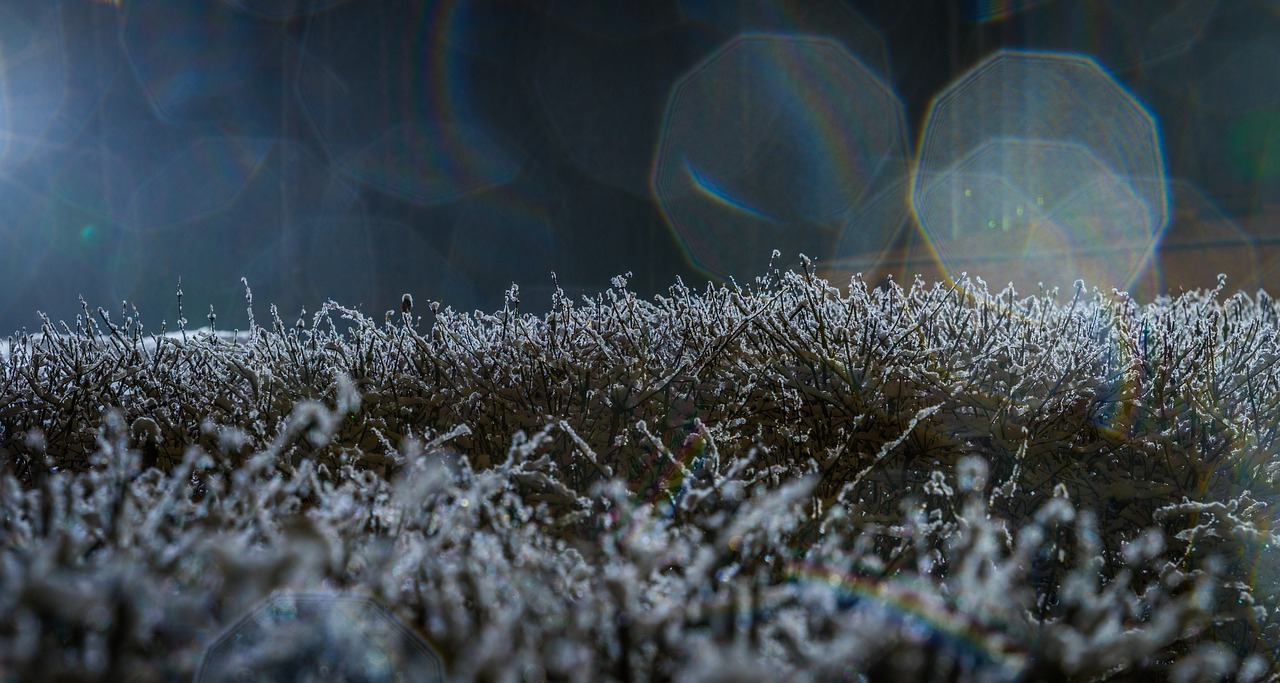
(362, 149)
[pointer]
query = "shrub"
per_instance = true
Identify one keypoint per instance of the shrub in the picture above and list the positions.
(781, 481)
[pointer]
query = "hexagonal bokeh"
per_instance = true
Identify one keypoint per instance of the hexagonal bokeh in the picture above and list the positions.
(273, 211)
(491, 30)
(397, 117)
(51, 252)
(1038, 167)
(603, 112)
(776, 142)
(983, 11)
(206, 63)
(1201, 242)
(282, 9)
(615, 20)
(94, 179)
(319, 636)
(369, 264)
(506, 235)
(1230, 108)
(1123, 35)
(205, 176)
(32, 78)
(834, 19)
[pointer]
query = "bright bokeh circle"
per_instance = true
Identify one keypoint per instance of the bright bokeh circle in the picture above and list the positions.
(1040, 168)
(774, 142)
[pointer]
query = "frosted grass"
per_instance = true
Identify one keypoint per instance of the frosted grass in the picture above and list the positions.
(782, 481)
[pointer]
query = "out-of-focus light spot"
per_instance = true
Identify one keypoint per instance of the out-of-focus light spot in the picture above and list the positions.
(717, 192)
(834, 19)
(617, 20)
(95, 253)
(201, 179)
(1253, 144)
(984, 11)
(32, 79)
(283, 9)
(603, 111)
(365, 640)
(22, 248)
(1200, 242)
(1222, 106)
(1175, 33)
(1122, 35)
(260, 231)
(206, 63)
(4, 114)
(507, 234)
(371, 263)
(777, 142)
(399, 118)
(491, 30)
(52, 251)
(92, 179)
(1241, 80)
(831, 590)
(1060, 164)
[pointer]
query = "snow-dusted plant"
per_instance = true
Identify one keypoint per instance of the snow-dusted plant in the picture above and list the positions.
(784, 481)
